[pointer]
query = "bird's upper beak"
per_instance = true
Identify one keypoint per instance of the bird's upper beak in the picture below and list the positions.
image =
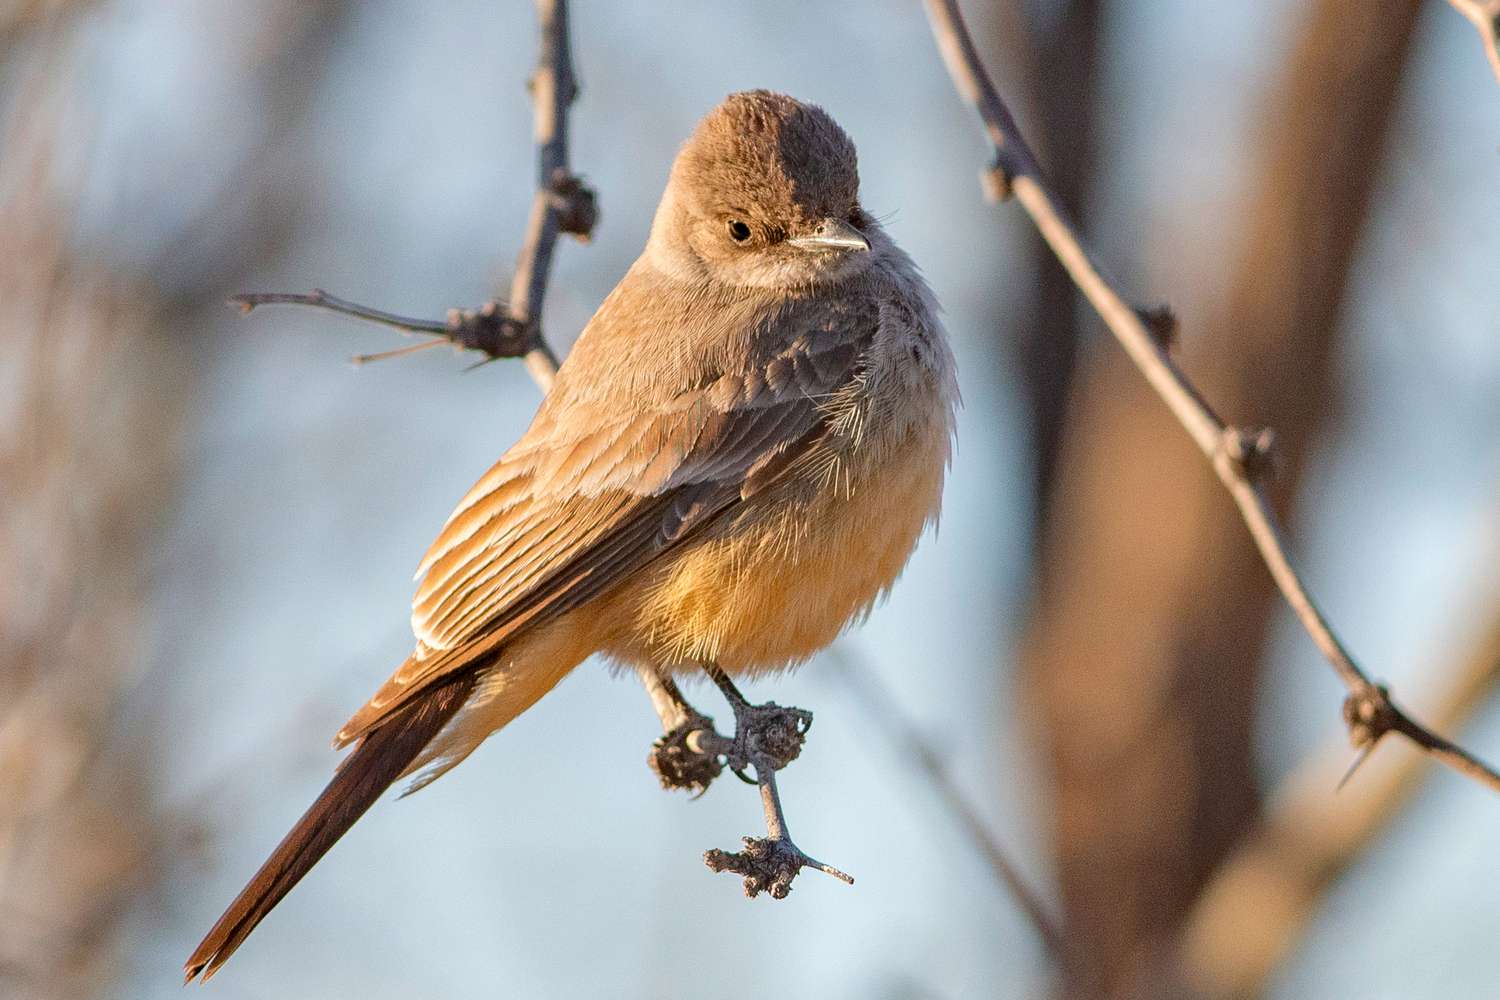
(832, 234)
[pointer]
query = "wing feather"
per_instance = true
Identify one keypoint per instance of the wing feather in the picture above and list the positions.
(601, 487)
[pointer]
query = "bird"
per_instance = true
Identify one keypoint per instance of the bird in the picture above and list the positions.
(734, 463)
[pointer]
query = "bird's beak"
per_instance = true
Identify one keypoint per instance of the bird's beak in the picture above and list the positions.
(832, 234)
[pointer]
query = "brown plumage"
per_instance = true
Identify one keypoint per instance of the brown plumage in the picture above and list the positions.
(735, 461)
(369, 770)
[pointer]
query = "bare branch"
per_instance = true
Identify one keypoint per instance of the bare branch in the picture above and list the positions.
(1251, 914)
(320, 299)
(561, 204)
(1239, 457)
(1485, 16)
(485, 329)
(767, 737)
(768, 864)
(890, 719)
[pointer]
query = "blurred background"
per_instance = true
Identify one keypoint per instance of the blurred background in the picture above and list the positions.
(208, 523)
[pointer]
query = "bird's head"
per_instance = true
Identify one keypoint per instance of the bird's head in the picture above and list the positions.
(765, 194)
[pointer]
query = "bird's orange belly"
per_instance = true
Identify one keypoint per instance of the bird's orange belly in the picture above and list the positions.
(774, 593)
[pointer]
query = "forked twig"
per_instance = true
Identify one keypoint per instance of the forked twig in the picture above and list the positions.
(767, 737)
(770, 863)
(1240, 457)
(561, 204)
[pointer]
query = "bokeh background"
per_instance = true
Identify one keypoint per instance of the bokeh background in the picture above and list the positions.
(208, 523)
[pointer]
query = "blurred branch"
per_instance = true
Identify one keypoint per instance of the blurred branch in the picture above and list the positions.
(890, 720)
(1485, 16)
(96, 352)
(1240, 457)
(1055, 49)
(88, 459)
(1252, 913)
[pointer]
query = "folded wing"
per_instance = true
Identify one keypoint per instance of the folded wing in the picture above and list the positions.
(549, 528)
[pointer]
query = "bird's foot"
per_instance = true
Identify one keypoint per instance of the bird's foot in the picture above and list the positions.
(692, 754)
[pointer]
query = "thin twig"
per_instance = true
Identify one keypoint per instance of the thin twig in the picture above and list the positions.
(893, 722)
(1239, 457)
(1252, 912)
(320, 299)
(767, 737)
(769, 864)
(561, 204)
(1485, 16)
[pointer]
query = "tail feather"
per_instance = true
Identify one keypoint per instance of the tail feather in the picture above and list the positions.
(379, 759)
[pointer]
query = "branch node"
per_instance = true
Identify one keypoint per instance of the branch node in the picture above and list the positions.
(687, 757)
(490, 330)
(778, 735)
(768, 865)
(1369, 714)
(995, 180)
(1250, 450)
(1161, 322)
(769, 736)
(576, 204)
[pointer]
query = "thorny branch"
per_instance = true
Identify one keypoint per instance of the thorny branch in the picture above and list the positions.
(1240, 457)
(1485, 16)
(1253, 911)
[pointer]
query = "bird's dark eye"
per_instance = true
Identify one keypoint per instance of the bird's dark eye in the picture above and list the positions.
(738, 231)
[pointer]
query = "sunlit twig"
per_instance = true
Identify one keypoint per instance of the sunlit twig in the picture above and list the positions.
(1239, 456)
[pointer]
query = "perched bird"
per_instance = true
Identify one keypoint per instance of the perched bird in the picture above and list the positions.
(735, 461)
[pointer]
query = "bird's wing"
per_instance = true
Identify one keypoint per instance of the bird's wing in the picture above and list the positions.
(560, 520)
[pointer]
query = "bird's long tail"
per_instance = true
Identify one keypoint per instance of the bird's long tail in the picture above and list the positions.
(374, 764)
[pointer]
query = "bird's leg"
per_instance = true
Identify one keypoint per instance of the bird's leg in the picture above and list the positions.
(767, 737)
(687, 754)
